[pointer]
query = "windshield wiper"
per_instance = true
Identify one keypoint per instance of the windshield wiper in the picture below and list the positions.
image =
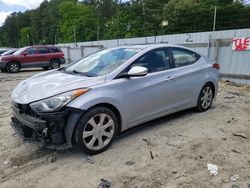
(82, 73)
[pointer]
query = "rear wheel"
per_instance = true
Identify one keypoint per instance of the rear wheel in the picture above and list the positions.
(55, 64)
(13, 67)
(205, 99)
(96, 130)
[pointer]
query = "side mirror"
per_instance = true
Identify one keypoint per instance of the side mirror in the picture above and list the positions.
(137, 71)
(25, 53)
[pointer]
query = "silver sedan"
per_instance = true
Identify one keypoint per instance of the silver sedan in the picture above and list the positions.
(86, 104)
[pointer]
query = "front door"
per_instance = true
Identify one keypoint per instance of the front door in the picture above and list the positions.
(150, 96)
(30, 58)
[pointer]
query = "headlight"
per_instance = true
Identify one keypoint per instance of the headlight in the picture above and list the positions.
(57, 102)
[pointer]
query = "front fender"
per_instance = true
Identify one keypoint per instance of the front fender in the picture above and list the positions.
(111, 94)
(70, 126)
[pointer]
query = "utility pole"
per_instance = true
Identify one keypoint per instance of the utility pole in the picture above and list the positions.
(98, 26)
(75, 36)
(215, 12)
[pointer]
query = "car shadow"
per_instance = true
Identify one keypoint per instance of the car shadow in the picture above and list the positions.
(32, 70)
(159, 122)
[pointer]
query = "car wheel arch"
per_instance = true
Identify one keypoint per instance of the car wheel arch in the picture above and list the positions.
(75, 117)
(212, 84)
(55, 59)
(114, 109)
(12, 61)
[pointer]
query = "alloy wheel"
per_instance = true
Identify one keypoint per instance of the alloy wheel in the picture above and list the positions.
(55, 65)
(98, 131)
(206, 97)
(14, 67)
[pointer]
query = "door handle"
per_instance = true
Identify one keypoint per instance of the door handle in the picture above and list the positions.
(169, 78)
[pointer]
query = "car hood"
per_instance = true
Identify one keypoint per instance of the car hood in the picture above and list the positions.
(51, 83)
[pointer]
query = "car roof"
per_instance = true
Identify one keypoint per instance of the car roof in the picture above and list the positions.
(46, 46)
(145, 46)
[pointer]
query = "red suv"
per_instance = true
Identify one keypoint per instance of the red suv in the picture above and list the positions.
(47, 57)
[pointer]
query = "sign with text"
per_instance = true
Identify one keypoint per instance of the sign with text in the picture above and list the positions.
(241, 44)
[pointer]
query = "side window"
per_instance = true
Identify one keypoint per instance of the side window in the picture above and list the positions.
(155, 60)
(42, 50)
(31, 51)
(54, 50)
(183, 57)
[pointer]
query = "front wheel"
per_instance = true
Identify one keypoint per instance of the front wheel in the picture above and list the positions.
(13, 67)
(96, 130)
(205, 98)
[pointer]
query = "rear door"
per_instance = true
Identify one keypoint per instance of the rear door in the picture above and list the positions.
(43, 56)
(189, 74)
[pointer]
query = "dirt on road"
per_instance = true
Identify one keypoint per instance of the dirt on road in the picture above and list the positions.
(172, 151)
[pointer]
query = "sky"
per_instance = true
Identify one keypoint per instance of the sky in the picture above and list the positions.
(9, 6)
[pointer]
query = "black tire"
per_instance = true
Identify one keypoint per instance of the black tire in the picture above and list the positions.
(46, 68)
(55, 64)
(84, 126)
(13, 67)
(201, 107)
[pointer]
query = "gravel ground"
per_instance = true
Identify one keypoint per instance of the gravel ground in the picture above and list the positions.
(172, 151)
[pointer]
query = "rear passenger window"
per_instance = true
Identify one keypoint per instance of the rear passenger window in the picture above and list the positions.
(43, 50)
(184, 57)
(54, 50)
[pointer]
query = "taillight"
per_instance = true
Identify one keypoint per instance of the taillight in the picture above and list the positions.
(216, 66)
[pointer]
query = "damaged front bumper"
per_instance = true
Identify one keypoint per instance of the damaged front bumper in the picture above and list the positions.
(46, 129)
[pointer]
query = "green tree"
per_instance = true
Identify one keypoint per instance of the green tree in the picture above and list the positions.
(25, 36)
(80, 18)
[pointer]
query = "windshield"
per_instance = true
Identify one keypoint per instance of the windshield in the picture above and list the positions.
(9, 52)
(103, 62)
(20, 51)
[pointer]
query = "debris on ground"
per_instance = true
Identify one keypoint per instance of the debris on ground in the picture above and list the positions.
(104, 184)
(235, 151)
(90, 160)
(6, 162)
(229, 97)
(234, 178)
(173, 145)
(235, 186)
(240, 135)
(15, 167)
(184, 175)
(148, 142)
(151, 155)
(213, 169)
(182, 135)
(130, 162)
(51, 158)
